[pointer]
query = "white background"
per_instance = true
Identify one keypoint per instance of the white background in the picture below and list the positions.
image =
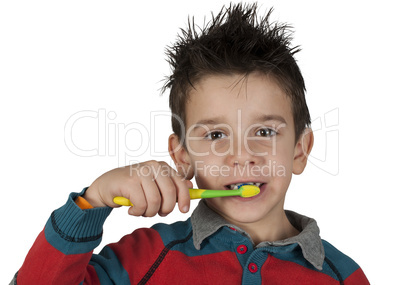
(59, 58)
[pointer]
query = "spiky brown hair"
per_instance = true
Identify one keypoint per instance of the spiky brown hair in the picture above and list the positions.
(235, 41)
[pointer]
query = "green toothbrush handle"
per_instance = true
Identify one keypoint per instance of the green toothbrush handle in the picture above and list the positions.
(213, 193)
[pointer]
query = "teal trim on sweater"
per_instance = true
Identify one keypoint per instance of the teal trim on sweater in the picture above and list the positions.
(69, 224)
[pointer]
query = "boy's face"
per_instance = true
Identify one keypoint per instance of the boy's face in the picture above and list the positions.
(241, 130)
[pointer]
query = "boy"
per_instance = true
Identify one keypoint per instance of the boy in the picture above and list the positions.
(239, 117)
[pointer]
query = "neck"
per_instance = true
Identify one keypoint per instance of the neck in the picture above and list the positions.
(274, 229)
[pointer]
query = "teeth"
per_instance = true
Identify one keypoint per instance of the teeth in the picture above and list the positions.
(238, 185)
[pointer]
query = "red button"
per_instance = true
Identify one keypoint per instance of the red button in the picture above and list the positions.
(253, 267)
(242, 249)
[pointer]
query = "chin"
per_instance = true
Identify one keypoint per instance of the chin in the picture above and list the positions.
(246, 218)
(236, 211)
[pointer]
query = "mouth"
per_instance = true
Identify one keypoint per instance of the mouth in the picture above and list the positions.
(236, 186)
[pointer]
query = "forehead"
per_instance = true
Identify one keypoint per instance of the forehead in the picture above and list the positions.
(225, 96)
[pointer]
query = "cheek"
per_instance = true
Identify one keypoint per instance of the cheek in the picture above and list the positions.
(281, 162)
(208, 170)
(201, 149)
(202, 183)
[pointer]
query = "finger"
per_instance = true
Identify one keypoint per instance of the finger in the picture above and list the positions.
(168, 192)
(152, 196)
(183, 194)
(139, 202)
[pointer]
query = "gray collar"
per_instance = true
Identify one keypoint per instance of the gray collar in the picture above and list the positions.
(206, 222)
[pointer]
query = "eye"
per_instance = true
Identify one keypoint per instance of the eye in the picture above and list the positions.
(215, 135)
(266, 132)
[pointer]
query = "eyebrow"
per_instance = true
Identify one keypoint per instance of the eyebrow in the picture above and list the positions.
(212, 121)
(205, 122)
(265, 118)
(219, 120)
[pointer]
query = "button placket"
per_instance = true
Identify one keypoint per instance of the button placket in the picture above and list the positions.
(252, 267)
(243, 249)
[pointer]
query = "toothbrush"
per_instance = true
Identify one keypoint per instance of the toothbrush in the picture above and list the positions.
(244, 191)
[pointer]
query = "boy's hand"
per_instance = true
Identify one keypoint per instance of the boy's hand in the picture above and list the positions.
(153, 188)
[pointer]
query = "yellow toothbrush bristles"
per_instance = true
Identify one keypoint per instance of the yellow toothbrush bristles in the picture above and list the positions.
(249, 191)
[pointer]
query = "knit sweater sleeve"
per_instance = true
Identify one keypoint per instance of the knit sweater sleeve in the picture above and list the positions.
(61, 253)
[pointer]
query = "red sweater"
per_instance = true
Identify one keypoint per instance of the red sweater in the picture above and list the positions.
(202, 250)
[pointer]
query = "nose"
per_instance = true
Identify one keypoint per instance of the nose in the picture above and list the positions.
(243, 155)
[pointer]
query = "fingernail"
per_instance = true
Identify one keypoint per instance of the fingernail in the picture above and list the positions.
(185, 209)
(189, 184)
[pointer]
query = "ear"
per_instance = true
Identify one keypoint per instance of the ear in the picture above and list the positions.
(180, 157)
(302, 150)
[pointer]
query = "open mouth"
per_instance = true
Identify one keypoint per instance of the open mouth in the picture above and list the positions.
(238, 185)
